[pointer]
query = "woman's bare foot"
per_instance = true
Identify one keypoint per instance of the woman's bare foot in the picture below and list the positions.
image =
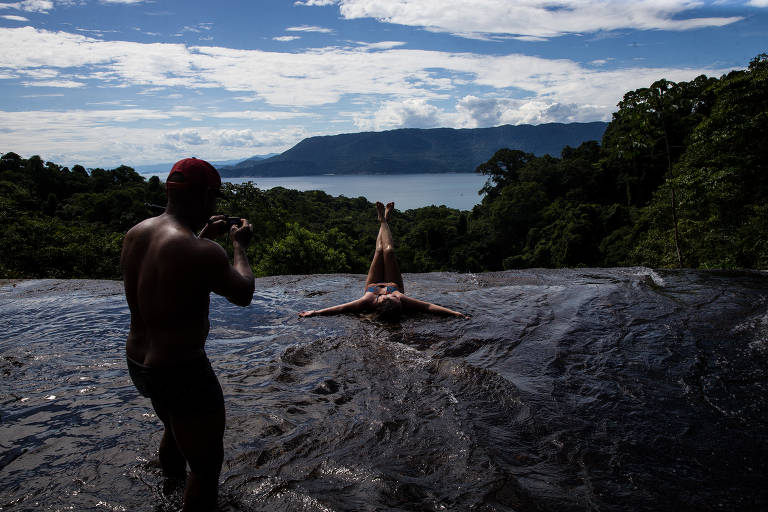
(380, 211)
(388, 211)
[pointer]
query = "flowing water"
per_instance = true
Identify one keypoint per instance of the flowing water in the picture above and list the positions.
(568, 390)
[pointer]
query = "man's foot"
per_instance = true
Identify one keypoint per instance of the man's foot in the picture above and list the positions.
(173, 486)
(388, 211)
(380, 210)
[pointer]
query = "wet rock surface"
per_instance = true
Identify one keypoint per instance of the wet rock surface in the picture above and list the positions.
(588, 389)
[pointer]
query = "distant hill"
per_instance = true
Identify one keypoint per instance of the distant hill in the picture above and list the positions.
(409, 151)
(155, 168)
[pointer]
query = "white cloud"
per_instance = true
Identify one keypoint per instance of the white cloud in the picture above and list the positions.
(323, 76)
(237, 138)
(257, 115)
(12, 17)
(200, 27)
(248, 138)
(533, 18)
(397, 87)
(286, 38)
(530, 39)
(188, 136)
(412, 113)
(30, 6)
(381, 45)
(68, 84)
(78, 137)
(318, 3)
(310, 28)
(758, 3)
(473, 112)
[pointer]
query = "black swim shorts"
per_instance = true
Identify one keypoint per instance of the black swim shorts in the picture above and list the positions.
(190, 389)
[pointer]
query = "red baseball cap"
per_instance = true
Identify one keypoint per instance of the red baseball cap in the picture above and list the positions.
(196, 172)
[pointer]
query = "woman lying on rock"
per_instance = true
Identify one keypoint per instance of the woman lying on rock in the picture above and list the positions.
(384, 291)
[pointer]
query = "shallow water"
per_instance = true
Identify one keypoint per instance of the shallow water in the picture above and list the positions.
(590, 389)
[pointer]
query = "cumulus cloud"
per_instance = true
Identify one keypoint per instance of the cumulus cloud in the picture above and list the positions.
(533, 18)
(188, 136)
(247, 138)
(412, 113)
(474, 112)
(237, 138)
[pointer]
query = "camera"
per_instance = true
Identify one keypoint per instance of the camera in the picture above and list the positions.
(233, 221)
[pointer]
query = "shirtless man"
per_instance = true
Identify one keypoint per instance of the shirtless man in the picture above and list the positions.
(384, 292)
(169, 272)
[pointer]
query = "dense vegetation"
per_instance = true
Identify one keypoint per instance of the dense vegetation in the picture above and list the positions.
(680, 179)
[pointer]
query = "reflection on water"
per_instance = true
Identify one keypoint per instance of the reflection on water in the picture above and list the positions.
(594, 389)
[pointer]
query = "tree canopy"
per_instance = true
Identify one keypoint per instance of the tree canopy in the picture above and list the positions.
(679, 178)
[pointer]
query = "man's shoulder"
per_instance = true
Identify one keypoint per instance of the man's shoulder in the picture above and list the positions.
(142, 227)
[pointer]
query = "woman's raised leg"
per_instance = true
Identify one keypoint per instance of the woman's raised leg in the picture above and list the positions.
(376, 273)
(391, 268)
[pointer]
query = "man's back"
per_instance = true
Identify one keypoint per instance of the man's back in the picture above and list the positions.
(165, 271)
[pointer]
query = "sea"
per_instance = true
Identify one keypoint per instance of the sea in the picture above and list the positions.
(620, 389)
(408, 191)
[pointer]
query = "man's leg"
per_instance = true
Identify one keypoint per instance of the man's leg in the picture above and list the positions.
(391, 268)
(171, 460)
(200, 440)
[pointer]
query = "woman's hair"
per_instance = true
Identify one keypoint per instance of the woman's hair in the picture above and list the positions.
(388, 310)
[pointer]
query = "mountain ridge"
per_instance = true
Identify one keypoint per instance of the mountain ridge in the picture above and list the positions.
(415, 150)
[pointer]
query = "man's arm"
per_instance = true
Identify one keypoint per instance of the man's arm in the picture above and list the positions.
(235, 282)
(428, 307)
(348, 307)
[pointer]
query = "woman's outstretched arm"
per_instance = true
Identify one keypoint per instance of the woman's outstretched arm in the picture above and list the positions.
(428, 307)
(349, 307)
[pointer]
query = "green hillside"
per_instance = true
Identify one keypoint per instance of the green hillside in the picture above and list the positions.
(409, 151)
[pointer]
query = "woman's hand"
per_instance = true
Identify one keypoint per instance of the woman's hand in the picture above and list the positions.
(307, 313)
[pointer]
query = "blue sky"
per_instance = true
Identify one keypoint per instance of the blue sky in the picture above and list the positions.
(109, 82)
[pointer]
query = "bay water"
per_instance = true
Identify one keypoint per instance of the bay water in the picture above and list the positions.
(408, 191)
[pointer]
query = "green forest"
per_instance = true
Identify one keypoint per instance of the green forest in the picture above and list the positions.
(679, 180)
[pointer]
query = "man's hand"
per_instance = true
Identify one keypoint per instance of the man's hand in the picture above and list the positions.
(215, 227)
(241, 234)
(306, 313)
